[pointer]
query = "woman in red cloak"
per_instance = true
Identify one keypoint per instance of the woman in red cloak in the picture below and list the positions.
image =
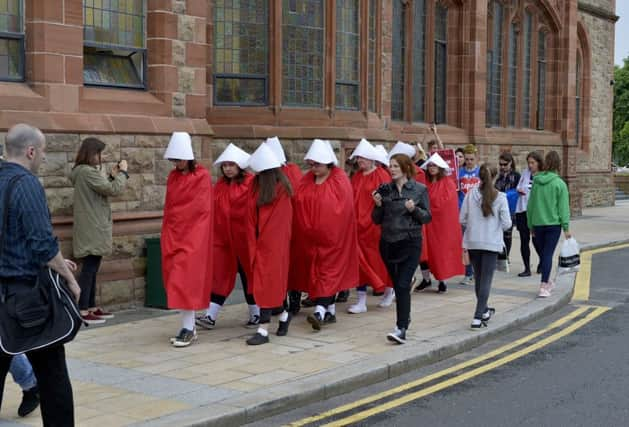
(230, 250)
(443, 234)
(186, 238)
(324, 258)
(372, 270)
(269, 226)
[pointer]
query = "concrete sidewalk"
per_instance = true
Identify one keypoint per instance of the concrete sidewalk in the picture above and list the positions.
(128, 374)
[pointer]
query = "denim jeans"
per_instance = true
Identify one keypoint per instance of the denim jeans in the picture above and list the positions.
(22, 372)
(545, 240)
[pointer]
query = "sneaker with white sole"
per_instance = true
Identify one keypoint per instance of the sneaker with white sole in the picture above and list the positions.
(357, 309)
(544, 291)
(206, 322)
(397, 336)
(477, 324)
(487, 314)
(185, 338)
(253, 322)
(468, 280)
(387, 298)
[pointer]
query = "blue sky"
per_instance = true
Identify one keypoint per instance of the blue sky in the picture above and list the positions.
(622, 31)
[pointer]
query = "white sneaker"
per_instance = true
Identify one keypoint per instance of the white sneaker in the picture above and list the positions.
(544, 291)
(357, 309)
(387, 298)
(468, 281)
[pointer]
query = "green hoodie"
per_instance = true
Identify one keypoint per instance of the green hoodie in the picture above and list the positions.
(549, 201)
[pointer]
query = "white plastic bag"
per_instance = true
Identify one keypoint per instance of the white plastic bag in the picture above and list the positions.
(569, 258)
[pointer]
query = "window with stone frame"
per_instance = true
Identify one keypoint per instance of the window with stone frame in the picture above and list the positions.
(11, 40)
(577, 99)
(494, 61)
(527, 75)
(418, 53)
(241, 52)
(347, 86)
(372, 35)
(114, 43)
(441, 62)
(541, 80)
(398, 74)
(513, 75)
(303, 39)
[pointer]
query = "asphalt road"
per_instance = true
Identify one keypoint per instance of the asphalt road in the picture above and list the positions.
(581, 379)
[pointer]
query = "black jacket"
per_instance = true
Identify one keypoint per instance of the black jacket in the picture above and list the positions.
(397, 222)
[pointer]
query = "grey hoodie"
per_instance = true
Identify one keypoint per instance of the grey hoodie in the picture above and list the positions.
(484, 233)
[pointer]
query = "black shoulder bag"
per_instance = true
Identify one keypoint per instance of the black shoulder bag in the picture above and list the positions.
(34, 315)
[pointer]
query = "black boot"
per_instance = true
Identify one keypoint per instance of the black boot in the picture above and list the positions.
(342, 296)
(442, 287)
(30, 401)
(282, 329)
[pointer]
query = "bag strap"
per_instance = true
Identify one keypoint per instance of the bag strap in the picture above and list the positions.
(5, 214)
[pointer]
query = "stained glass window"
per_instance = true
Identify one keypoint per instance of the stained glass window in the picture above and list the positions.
(11, 40)
(373, 67)
(526, 83)
(419, 52)
(241, 51)
(114, 40)
(541, 77)
(399, 47)
(495, 82)
(441, 61)
(578, 100)
(513, 75)
(302, 52)
(347, 54)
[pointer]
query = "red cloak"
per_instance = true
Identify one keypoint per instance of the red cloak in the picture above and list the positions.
(230, 233)
(186, 239)
(372, 270)
(420, 175)
(443, 233)
(293, 173)
(324, 257)
(269, 230)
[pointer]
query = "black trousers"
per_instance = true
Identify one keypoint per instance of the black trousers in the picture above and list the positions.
(220, 299)
(87, 281)
(401, 259)
(521, 224)
(484, 263)
(55, 390)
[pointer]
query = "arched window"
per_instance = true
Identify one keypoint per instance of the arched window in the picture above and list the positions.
(441, 62)
(419, 58)
(347, 55)
(373, 65)
(513, 75)
(527, 75)
(398, 77)
(494, 63)
(541, 80)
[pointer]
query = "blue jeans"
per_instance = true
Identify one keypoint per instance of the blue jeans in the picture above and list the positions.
(22, 372)
(545, 240)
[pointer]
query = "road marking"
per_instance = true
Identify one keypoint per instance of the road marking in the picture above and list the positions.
(492, 354)
(471, 374)
(582, 282)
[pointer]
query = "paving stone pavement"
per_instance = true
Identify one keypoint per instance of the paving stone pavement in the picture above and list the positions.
(128, 373)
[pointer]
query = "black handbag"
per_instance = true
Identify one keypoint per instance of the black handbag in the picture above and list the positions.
(35, 314)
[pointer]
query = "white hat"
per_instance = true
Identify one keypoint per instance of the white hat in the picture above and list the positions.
(179, 147)
(436, 160)
(263, 159)
(329, 145)
(274, 144)
(233, 154)
(321, 152)
(383, 156)
(366, 150)
(402, 148)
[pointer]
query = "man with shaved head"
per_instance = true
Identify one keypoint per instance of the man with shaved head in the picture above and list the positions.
(29, 244)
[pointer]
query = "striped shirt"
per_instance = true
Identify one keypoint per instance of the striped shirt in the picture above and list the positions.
(28, 238)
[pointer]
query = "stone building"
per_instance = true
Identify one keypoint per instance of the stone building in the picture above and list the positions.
(515, 75)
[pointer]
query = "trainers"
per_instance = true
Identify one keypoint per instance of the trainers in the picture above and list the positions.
(99, 312)
(30, 401)
(90, 319)
(487, 314)
(258, 339)
(397, 336)
(253, 321)
(525, 273)
(423, 285)
(342, 296)
(387, 298)
(551, 285)
(477, 324)
(329, 318)
(357, 309)
(468, 280)
(185, 338)
(442, 287)
(544, 291)
(206, 322)
(282, 328)
(315, 320)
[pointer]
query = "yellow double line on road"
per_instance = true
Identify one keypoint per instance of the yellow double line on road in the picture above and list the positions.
(582, 282)
(594, 312)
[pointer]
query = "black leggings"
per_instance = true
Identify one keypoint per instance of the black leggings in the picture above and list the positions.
(521, 224)
(87, 281)
(220, 299)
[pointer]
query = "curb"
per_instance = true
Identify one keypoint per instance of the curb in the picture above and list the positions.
(274, 400)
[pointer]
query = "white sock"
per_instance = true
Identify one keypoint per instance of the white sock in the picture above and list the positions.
(332, 309)
(321, 310)
(213, 310)
(362, 297)
(426, 274)
(388, 292)
(284, 316)
(254, 310)
(262, 331)
(187, 319)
